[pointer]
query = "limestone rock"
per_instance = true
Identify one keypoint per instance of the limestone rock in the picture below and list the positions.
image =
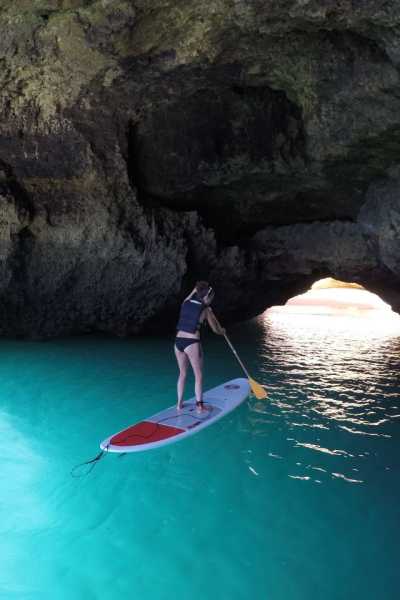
(144, 144)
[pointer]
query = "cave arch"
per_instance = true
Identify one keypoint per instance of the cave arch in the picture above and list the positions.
(332, 297)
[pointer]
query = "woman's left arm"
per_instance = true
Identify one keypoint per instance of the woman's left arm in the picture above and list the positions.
(213, 323)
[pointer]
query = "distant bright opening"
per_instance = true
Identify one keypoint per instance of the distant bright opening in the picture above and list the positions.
(330, 297)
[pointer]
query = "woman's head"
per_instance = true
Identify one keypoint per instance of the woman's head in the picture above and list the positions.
(202, 288)
(204, 291)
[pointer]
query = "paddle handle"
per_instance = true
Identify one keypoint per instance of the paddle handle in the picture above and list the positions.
(231, 346)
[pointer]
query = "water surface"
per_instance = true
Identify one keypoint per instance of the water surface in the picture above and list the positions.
(288, 499)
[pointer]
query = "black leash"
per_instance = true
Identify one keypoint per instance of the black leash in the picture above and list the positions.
(93, 462)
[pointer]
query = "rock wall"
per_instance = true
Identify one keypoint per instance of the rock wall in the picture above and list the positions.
(145, 144)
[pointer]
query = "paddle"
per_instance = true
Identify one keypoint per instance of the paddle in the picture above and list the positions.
(256, 388)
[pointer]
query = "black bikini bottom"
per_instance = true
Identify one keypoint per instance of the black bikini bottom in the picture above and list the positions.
(182, 343)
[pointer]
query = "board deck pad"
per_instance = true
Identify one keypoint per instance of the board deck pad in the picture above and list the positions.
(171, 425)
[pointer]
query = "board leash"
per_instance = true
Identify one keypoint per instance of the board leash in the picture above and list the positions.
(90, 463)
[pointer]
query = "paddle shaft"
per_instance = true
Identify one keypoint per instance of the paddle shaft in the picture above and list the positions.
(237, 356)
(231, 346)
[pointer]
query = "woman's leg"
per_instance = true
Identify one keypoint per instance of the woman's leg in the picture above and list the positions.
(183, 363)
(195, 354)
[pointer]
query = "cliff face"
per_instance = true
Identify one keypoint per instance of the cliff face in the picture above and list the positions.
(146, 144)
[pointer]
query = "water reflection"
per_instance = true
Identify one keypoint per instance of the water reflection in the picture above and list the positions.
(334, 386)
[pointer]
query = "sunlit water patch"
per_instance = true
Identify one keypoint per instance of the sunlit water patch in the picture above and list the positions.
(287, 499)
(336, 385)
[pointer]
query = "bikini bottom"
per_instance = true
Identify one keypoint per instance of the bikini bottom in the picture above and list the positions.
(182, 343)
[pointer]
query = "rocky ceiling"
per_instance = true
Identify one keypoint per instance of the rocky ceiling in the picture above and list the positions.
(146, 144)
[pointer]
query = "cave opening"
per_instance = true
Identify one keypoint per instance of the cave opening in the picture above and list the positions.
(330, 303)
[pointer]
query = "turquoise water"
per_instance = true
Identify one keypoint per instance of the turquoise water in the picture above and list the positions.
(289, 499)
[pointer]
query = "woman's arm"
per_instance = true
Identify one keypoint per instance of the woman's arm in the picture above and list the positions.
(191, 294)
(213, 323)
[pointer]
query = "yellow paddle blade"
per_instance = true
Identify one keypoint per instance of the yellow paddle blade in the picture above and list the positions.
(257, 389)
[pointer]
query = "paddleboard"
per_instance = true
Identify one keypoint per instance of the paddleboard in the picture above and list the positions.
(171, 425)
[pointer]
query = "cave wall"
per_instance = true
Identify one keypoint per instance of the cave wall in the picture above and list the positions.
(146, 144)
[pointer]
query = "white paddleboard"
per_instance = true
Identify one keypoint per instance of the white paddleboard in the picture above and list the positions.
(171, 425)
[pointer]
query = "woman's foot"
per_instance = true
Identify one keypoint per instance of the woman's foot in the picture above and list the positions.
(179, 406)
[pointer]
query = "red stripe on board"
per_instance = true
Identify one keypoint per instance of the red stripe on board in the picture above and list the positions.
(144, 433)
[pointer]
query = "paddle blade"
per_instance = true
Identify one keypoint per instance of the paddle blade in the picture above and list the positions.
(257, 389)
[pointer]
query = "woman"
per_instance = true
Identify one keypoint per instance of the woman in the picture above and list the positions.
(194, 311)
